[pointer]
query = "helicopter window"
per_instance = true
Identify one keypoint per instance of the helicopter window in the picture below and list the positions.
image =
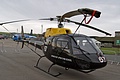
(48, 40)
(59, 44)
(65, 45)
(62, 44)
(53, 42)
(78, 42)
(86, 44)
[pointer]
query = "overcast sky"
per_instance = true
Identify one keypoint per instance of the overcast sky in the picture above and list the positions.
(36, 9)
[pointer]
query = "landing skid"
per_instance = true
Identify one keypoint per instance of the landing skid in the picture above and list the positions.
(54, 75)
(48, 71)
(36, 66)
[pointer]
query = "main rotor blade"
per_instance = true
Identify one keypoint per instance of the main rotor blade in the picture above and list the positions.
(14, 21)
(88, 26)
(81, 12)
(96, 29)
(5, 28)
(51, 19)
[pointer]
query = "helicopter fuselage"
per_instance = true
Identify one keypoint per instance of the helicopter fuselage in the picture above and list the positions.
(74, 51)
(56, 31)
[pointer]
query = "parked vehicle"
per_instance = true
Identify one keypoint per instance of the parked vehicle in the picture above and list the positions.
(1, 37)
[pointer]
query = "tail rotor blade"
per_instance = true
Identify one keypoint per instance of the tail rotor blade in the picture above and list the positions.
(22, 35)
(31, 32)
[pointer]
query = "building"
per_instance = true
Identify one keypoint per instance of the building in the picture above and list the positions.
(110, 41)
(117, 38)
(98, 43)
(106, 41)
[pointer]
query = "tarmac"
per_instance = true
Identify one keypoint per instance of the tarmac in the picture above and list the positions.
(18, 64)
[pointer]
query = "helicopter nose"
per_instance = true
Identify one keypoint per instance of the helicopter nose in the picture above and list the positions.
(97, 65)
(91, 65)
(102, 62)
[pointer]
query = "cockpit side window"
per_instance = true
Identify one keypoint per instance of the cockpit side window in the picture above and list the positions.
(54, 42)
(59, 44)
(48, 40)
(64, 44)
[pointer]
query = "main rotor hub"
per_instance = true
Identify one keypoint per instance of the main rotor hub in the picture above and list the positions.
(60, 25)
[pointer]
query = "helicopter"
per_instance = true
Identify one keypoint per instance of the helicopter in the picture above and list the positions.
(71, 50)
(67, 49)
(18, 36)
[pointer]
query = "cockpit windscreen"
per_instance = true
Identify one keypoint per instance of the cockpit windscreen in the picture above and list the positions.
(86, 44)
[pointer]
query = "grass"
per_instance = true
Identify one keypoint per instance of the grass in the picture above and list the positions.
(4, 33)
(110, 50)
